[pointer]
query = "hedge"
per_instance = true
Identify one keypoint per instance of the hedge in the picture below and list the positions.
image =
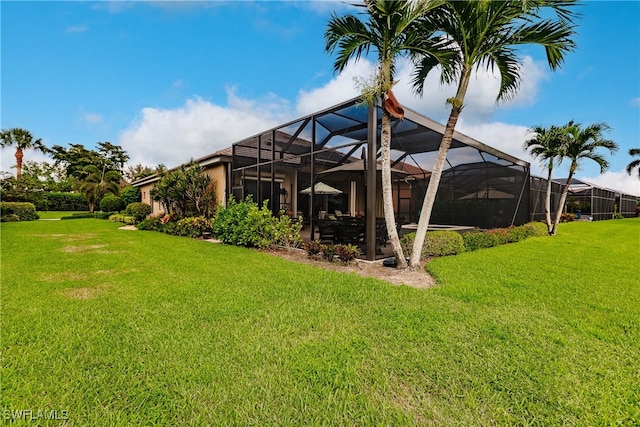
(23, 210)
(436, 243)
(66, 202)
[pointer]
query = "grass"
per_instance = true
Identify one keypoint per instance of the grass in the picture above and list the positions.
(56, 214)
(140, 328)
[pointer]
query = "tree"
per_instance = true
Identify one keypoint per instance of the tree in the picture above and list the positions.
(583, 144)
(486, 34)
(186, 191)
(634, 163)
(113, 156)
(97, 183)
(75, 159)
(22, 140)
(393, 29)
(548, 144)
(133, 173)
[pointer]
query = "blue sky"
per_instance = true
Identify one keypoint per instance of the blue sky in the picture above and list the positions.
(174, 80)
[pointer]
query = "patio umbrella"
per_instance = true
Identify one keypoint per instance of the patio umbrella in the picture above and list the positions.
(321, 188)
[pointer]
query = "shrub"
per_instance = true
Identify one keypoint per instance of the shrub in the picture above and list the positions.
(191, 227)
(111, 203)
(151, 224)
(245, 224)
(66, 202)
(347, 253)
(436, 243)
(229, 223)
(102, 215)
(314, 247)
(287, 232)
(138, 210)
(126, 219)
(23, 210)
(475, 240)
(328, 252)
(537, 229)
(79, 215)
(567, 217)
(9, 218)
(130, 195)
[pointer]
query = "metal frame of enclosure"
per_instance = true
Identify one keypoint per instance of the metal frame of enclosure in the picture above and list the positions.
(598, 203)
(538, 195)
(339, 146)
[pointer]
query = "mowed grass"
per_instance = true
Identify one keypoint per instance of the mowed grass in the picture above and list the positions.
(56, 214)
(139, 328)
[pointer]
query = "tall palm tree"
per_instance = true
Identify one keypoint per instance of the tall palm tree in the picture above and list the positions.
(634, 163)
(548, 145)
(393, 29)
(486, 34)
(22, 140)
(583, 144)
(97, 183)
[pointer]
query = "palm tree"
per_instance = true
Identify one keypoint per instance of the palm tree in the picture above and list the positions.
(97, 183)
(548, 145)
(634, 163)
(582, 144)
(486, 34)
(393, 29)
(22, 140)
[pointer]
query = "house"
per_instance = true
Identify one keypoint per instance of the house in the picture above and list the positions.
(340, 146)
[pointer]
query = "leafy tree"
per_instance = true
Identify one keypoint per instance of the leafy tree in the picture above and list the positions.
(133, 173)
(97, 183)
(583, 143)
(486, 34)
(186, 191)
(22, 140)
(51, 177)
(393, 29)
(113, 156)
(130, 195)
(549, 145)
(76, 158)
(634, 163)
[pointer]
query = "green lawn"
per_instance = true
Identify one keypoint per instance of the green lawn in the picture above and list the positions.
(56, 214)
(140, 328)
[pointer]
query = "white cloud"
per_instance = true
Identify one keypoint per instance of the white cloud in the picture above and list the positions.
(338, 89)
(198, 128)
(201, 127)
(635, 102)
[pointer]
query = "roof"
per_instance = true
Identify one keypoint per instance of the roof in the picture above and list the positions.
(218, 157)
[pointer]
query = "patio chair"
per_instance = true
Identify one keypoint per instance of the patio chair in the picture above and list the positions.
(352, 232)
(327, 232)
(381, 232)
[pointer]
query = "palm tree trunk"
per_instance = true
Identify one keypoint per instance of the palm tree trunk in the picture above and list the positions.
(387, 193)
(547, 200)
(563, 199)
(438, 167)
(19, 157)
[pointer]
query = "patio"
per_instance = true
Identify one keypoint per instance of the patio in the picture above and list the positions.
(293, 165)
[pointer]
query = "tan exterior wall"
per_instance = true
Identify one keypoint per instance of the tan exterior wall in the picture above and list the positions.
(218, 174)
